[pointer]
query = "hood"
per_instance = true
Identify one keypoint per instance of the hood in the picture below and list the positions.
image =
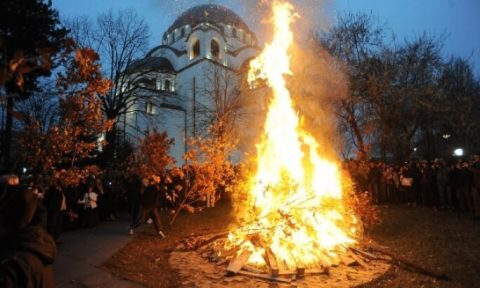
(32, 239)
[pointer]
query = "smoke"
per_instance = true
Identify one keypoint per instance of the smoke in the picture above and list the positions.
(317, 84)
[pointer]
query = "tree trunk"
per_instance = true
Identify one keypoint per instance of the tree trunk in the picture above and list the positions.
(362, 149)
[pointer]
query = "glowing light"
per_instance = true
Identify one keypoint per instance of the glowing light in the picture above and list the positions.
(296, 196)
(458, 152)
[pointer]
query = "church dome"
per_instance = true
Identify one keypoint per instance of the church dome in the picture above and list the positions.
(208, 13)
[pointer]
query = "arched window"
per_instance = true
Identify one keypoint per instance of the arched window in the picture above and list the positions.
(173, 36)
(149, 108)
(234, 33)
(215, 49)
(195, 49)
(182, 32)
(167, 85)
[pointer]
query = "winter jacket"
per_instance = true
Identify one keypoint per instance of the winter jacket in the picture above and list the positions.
(26, 258)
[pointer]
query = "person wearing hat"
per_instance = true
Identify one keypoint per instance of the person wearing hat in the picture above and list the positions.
(27, 251)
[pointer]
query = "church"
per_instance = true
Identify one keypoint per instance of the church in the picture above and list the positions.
(177, 77)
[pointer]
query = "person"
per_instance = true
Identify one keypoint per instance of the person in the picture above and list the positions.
(134, 198)
(89, 201)
(461, 181)
(150, 201)
(406, 184)
(27, 251)
(374, 178)
(56, 204)
(443, 185)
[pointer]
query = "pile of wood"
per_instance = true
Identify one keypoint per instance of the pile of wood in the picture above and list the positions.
(212, 248)
(275, 271)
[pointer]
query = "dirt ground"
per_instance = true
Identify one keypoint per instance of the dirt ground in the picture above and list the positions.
(442, 241)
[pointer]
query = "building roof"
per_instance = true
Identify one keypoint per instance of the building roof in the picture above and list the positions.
(208, 13)
(159, 64)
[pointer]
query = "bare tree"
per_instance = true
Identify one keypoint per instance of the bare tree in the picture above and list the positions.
(41, 107)
(120, 38)
(459, 92)
(222, 104)
(354, 40)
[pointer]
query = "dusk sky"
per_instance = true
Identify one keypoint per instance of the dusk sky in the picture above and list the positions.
(456, 22)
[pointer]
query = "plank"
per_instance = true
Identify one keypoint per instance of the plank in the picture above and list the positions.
(347, 260)
(236, 264)
(252, 269)
(266, 277)
(364, 253)
(300, 272)
(358, 260)
(271, 261)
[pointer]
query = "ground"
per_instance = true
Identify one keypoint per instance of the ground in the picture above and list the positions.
(442, 241)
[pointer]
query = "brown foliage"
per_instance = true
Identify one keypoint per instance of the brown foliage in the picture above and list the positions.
(64, 149)
(152, 158)
(209, 172)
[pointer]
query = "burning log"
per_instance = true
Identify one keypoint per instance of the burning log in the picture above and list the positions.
(271, 261)
(300, 272)
(236, 264)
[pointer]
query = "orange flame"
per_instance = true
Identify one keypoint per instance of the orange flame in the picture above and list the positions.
(296, 195)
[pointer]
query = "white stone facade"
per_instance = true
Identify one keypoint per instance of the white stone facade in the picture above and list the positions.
(202, 37)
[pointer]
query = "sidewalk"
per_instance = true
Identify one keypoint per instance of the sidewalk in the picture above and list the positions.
(83, 252)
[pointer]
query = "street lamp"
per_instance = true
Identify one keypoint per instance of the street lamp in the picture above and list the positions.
(458, 152)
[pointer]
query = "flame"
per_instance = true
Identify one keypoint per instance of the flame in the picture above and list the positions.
(296, 195)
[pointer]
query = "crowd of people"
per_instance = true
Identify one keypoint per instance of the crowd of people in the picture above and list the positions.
(32, 217)
(444, 185)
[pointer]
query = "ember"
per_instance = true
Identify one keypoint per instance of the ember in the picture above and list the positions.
(298, 219)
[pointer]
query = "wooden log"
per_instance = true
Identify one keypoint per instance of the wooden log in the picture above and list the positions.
(271, 261)
(231, 252)
(347, 260)
(236, 264)
(300, 272)
(364, 253)
(211, 239)
(358, 260)
(323, 271)
(287, 272)
(267, 277)
(252, 269)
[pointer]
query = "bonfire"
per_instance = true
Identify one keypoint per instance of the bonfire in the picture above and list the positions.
(299, 218)
(296, 212)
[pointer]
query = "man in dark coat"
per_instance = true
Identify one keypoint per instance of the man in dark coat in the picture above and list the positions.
(56, 204)
(27, 251)
(151, 201)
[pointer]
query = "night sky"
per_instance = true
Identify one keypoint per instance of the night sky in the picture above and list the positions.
(456, 22)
